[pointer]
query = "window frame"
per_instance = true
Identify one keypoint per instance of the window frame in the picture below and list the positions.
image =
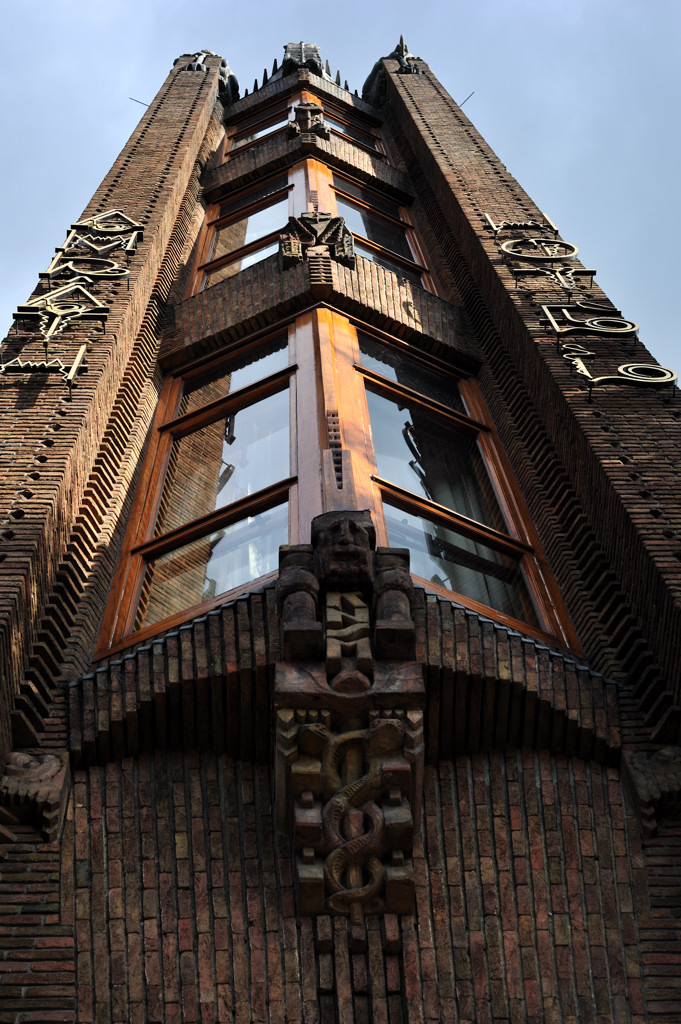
(214, 221)
(417, 266)
(519, 540)
(118, 631)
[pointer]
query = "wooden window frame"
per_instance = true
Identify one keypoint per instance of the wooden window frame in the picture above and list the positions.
(519, 541)
(418, 266)
(324, 373)
(139, 545)
(214, 222)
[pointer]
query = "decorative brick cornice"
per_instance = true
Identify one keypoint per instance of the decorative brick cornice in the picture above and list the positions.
(259, 295)
(208, 685)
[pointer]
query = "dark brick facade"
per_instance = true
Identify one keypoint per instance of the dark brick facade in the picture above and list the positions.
(143, 877)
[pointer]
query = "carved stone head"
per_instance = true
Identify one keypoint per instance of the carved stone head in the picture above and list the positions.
(343, 542)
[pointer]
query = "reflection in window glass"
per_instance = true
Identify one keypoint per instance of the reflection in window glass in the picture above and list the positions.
(431, 458)
(381, 260)
(446, 558)
(258, 133)
(375, 199)
(225, 461)
(248, 229)
(253, 195)
(383, 232)
(236, 266)
(350, 130)
(212, 565)
(241, 371)
(394, 366)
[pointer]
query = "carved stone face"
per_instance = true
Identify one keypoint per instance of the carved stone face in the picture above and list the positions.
(343, 554)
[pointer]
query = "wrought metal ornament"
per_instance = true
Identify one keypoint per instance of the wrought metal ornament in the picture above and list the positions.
(58, 309)
(89, 241)
(637, 374)
(539, 250)
(68, 373)
(587, 318)
(518, 225)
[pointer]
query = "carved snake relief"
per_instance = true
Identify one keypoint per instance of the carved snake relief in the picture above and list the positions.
(361, 851)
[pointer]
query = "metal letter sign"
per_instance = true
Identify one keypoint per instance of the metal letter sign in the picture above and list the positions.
(89, 241)
(587, 318)
(641, 374)
(539, 250)
(85, 260)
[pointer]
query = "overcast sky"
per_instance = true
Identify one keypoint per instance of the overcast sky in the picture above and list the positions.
(579, 99)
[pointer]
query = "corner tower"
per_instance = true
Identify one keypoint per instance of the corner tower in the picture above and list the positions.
(340, 552)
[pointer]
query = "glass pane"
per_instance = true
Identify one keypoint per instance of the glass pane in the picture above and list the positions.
(374, 199)
(427, 456)
(264, 190)
(350, 130)
(258, 133)
(224, 461)
(212, 565)
(393, 365)
(236, 266)
(444, 557)
(238, 373)
(248, 229)
(384, 261)
(374, 227)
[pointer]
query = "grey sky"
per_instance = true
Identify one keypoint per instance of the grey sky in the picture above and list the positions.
(579, 100)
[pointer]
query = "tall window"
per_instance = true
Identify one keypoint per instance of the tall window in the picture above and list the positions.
(437, 493)
(212, 508)
(243, 230)
(378, 224)
(233, 471)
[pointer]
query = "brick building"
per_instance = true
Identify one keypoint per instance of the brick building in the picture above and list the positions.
(340, 548)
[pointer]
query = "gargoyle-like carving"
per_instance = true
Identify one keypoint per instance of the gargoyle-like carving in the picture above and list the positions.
(349, 699)
(405, 59)
(316, 234)
(33, 790)
(299, 56)
(309, 121)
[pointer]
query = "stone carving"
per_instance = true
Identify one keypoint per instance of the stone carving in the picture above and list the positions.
(228, 85)
(309, 122)
(314, 235)
(405, 59)
(655, 779)
(33, 791)
(349, 700)
(300, 56)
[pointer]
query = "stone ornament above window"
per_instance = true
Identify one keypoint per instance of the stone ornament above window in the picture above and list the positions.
(316, 234)
(309, 121)
(349, 698)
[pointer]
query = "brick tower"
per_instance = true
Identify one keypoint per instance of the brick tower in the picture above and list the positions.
(340, 548)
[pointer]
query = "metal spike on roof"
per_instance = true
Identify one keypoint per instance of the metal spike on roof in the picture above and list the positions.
(264, 76)
(275, 66)
(338, 79)
(345, 86)
(328, 69)
(255, 85)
